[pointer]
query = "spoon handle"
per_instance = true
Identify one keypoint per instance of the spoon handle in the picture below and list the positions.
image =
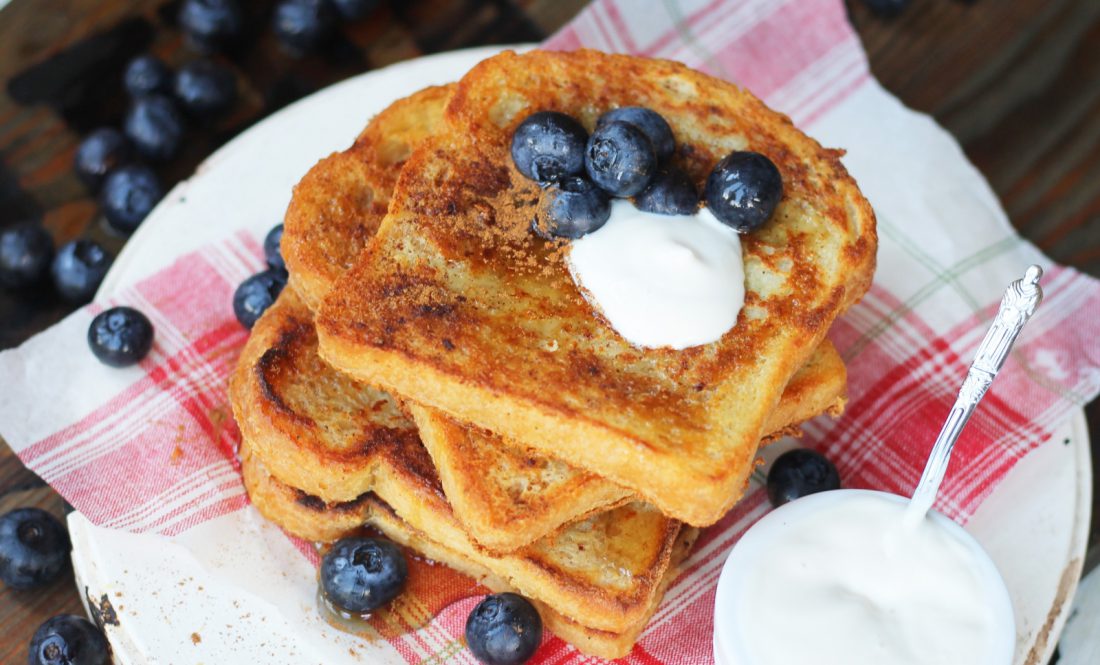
(1019, 303)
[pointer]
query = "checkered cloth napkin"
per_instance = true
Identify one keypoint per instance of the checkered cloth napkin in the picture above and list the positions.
(151, 449)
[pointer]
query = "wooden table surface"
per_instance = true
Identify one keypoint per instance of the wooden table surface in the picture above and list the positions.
(1017, 82)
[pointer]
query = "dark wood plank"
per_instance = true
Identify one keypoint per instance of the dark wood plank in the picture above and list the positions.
(1018, 83)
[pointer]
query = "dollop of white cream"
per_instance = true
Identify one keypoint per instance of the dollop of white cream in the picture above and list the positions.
(662, 280)
(852, 584)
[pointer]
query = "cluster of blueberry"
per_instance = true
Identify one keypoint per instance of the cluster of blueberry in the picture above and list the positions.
(115, 163)
(258, 292)
(105, 161)
(27, 258)
(300, 25)
(34, 551)
(34, 546)
(361, 575)
(122, 336)
(119, 336)
(628, 156)
(303, 25)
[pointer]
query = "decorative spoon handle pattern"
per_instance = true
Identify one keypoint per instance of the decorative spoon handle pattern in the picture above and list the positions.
(1018, 304)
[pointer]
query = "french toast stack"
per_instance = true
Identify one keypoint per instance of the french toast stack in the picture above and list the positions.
(431, 370)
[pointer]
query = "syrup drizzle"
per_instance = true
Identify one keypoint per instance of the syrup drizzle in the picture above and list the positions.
(431, 587)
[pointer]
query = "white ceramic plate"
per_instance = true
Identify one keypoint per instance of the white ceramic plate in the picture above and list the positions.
(1034, 525)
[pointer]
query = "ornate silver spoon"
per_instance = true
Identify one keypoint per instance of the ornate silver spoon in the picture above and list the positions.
(1019, 303)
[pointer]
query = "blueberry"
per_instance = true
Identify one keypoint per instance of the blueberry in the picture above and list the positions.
(256, 294)
(100, 152)
(548, 145)
(649, 122)
(155, 127)
(671, 192)
(147, 75)
(887, 8)
(303, 25)
(211, 24)
(504, 629)
(128, 195)
(25, 253)
(362, 574)
(571, 208)
(272, 242)
(34, 548)
(205, 89)
(120, 336)
(353, 10)
(68, 640)
(620, 159)
(743, 190)
(798, 473)
(79, 268)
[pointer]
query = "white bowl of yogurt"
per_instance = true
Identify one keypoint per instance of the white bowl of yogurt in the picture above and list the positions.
(840, 578)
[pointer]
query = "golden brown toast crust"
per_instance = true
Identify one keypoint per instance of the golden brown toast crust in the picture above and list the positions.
(313, 427)
(335, 439)
(592, 641)
(299, 513)
(508, 496)
(604, 572)
(309, 517)
(456, 305)
(339, 203)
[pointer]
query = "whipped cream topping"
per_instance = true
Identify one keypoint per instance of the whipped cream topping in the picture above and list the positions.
(849, 582)
(662, 280)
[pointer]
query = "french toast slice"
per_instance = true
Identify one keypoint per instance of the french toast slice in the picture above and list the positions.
(297, 512)
(338, 204)
(458, 306)
(315, 428)
(508, 496)
(328, 435)
(309, 517)
(592, 641)
(603, 572)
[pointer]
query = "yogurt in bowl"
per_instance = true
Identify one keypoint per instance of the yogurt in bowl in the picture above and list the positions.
(857, 577)
(841, 578)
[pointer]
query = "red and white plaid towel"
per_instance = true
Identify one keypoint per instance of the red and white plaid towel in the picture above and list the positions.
(151, 448)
